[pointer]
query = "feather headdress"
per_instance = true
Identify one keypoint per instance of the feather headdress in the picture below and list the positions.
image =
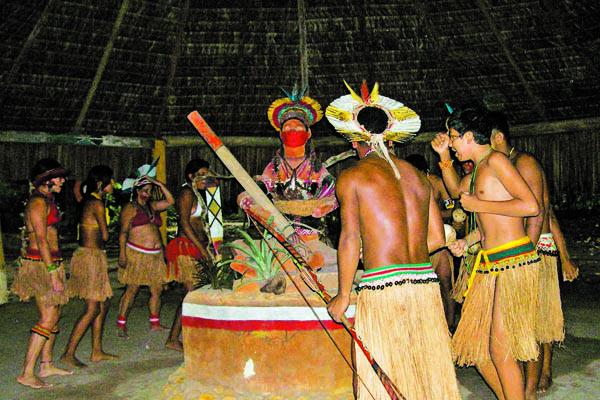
(294, 106)
(140, 173)
(403, 123)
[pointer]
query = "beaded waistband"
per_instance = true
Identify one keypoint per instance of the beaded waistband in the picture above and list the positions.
(546, 245)
(517, 253)
(397, 274)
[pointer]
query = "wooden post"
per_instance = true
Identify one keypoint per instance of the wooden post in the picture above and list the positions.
(102, 65)
(160, 150)
(484, 6)
(3, 280)
(303, 50)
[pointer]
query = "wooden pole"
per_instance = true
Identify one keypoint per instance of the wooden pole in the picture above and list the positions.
(160, 151)
(303, 50)
(177, 38)
(25, 49)
(102, 65)
(3, 280)
(484, 6)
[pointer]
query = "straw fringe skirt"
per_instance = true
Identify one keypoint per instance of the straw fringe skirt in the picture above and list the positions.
(405, 330)
(143, 269)
(184, 271)
(550, 322)
(89, 275)
(515, 291)
(32, 279)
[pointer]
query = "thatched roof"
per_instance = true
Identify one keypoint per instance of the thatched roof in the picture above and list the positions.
(137, 67)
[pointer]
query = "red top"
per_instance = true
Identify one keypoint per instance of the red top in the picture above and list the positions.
(141, 218)
(53, 216)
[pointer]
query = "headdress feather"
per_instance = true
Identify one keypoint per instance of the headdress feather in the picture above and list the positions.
(403, 123)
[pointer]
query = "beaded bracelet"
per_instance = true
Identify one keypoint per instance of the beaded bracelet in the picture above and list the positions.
(446, 163)
(52, 267)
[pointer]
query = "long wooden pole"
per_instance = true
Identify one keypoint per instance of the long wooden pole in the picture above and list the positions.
(160, 152)
(3, 279)
(101, 65)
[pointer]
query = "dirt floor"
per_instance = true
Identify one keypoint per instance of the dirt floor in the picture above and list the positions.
(145, 365)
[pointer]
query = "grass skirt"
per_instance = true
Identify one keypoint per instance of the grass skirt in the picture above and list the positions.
(405, 330)
(515, 291)
(550, 325)
(32, 279)
(143, 269)
(186, 270)
(182, 259)
(89, 275)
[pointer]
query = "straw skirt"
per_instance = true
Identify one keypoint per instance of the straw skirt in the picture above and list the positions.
(32, 279)
(515, 292)
(550, 321)
(143, 269)
(89, 275)
(404, 328)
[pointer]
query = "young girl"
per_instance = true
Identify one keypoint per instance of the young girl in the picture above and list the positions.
(41, 273)
(89, 267)
(141, 259)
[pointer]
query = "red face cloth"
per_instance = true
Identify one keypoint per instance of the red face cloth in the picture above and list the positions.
(294, 138)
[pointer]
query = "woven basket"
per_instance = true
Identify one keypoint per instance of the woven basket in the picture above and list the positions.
(301, 208)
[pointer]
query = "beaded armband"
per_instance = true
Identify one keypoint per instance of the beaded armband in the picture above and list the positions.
(448, 204)
(52, 267)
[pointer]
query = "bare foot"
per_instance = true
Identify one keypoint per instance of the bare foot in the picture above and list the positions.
(122, 333)
(544, 383)
(72, 361)
(174, 345)
(49, 369)
(102, 356)
(33, 382)
(530, 396)
(158, 328)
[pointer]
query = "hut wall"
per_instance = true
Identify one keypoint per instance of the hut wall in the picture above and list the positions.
(571, 161)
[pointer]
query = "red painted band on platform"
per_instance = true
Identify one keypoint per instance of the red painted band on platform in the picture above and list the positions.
(230, 325)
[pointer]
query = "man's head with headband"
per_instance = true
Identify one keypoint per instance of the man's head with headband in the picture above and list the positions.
(45, 170)
(373, 119)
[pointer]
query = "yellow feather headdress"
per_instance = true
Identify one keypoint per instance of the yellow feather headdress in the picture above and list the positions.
(342, 113)
(403, 123)
(294, 106)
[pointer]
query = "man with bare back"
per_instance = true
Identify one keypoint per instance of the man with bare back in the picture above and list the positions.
(497, 329)
(387, 208)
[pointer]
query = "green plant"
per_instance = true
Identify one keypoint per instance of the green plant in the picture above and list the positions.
(261, 258)
(218, 274)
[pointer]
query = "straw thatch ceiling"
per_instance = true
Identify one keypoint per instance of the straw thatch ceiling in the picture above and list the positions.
(137, 67)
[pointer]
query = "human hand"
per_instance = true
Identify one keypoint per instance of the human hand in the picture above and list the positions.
(323, 210)
(57, 283)
(337, 307)
(122, 260)
(570, 271)
(441, 143)
(245, 201)
(458, 247)
(469, 202)
(152, 180)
